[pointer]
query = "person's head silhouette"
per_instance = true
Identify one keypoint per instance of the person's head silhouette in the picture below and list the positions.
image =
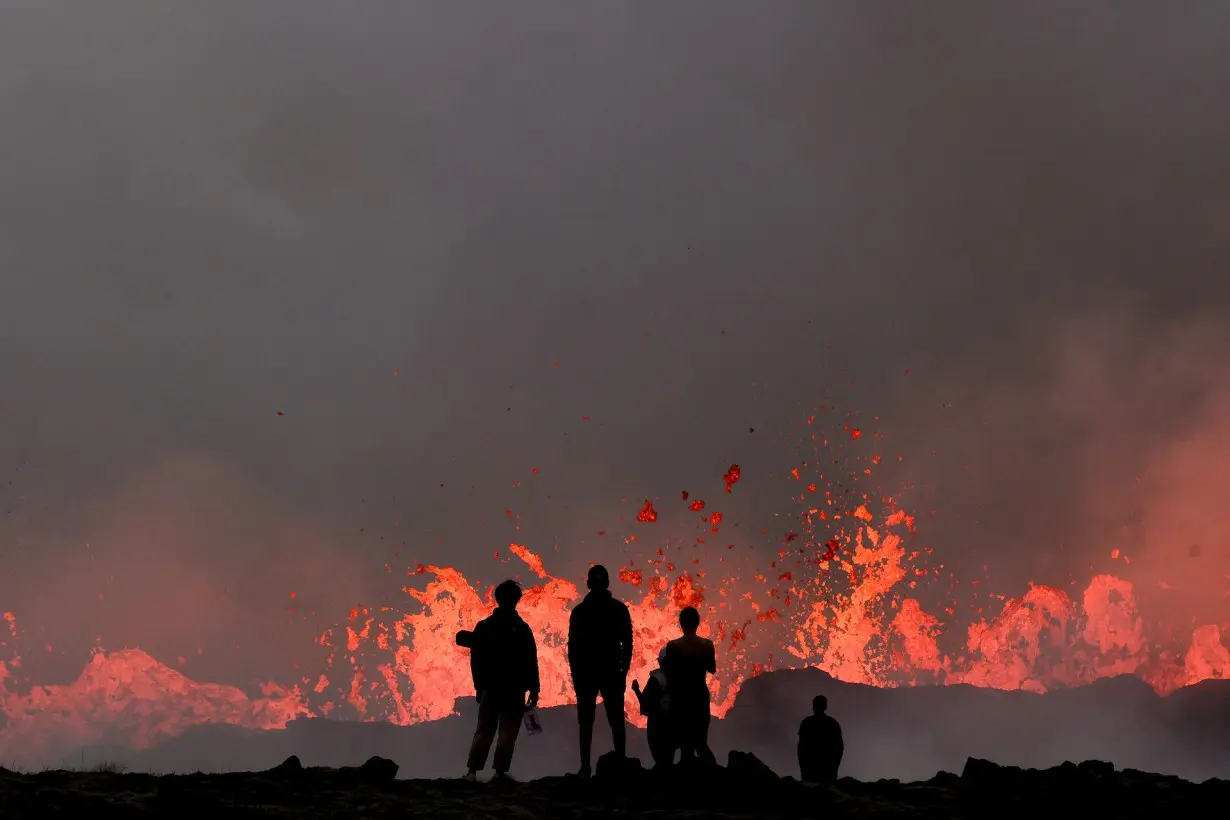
(819, 705)
(508, 594)
(689, 620)
(598, 579)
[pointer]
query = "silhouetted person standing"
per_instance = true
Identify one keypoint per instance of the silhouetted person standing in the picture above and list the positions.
(820, 744)
(655, 706)
(687, 661)
(504, 662)
(599, 656)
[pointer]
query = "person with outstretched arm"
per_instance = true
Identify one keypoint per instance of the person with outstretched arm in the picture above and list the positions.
(504, 663)
(599, 657)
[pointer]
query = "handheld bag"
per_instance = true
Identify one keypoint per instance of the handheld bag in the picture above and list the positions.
(532, 726)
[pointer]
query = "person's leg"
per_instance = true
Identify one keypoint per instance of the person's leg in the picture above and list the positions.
(488, 720)
(510, 715)
(613, 703)
(702, 736)
(587, 708)
(660, 742)
(683, 728)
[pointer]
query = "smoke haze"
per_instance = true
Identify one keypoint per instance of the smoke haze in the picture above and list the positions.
(290, 291)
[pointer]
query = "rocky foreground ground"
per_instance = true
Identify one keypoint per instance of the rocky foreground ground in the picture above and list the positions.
(745, 788)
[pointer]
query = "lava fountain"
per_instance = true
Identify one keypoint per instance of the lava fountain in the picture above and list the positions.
(839, 595)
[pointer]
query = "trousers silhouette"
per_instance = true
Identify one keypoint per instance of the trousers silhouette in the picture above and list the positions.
(612, 691)
(499, 720)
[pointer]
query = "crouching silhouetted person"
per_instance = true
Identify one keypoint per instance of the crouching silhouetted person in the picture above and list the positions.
(687, 660)
(504, 662)
(820, 744)
(655, 706)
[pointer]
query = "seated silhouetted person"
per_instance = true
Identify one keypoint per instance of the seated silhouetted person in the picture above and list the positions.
(687, 660)
(820, 744)
(655, 706)
(599, 656)
(504, 662)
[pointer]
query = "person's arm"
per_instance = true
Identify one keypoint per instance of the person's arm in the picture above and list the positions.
(532, 658)
(839, 744)
(711, 666)
(478, 660)
(642, 695)
(572, 634)
(625, 637)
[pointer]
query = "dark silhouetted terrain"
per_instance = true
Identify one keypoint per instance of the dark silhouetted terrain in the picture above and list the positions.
(743, 789)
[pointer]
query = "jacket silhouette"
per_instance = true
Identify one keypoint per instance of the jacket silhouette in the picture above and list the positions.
(820, 744)
(504, 663)
(655, 706)
(599, 656)
(687, 661)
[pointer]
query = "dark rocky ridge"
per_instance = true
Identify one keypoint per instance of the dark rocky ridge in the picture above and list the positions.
(745, 788)
(907, 733)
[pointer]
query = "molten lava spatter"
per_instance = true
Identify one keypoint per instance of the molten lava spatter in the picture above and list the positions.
(840, 594)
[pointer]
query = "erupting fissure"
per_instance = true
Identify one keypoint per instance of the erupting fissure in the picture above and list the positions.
(839, 596)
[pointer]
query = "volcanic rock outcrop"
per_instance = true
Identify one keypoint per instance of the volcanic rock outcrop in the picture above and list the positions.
(745, 788)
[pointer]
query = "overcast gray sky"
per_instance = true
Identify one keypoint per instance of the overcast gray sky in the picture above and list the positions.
(710, 214)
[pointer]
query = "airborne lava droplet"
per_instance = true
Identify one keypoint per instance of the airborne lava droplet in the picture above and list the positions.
(648, 514)
(684, 495)
(533, 561)
(631, 576)
(731, 476)
(697, 505)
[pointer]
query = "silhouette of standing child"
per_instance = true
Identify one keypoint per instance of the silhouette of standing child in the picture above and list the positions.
(655, 706)
(820, 744)
(687, 660)
(504, 663)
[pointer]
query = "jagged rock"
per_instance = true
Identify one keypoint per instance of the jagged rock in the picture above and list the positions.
(747, 767)
(378, 770)
(290, 765)
(613, 767)
(1096, 768)
(979, 773)
(1088, 791)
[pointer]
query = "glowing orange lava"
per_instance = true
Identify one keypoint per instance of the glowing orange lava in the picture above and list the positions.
(839, 596)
